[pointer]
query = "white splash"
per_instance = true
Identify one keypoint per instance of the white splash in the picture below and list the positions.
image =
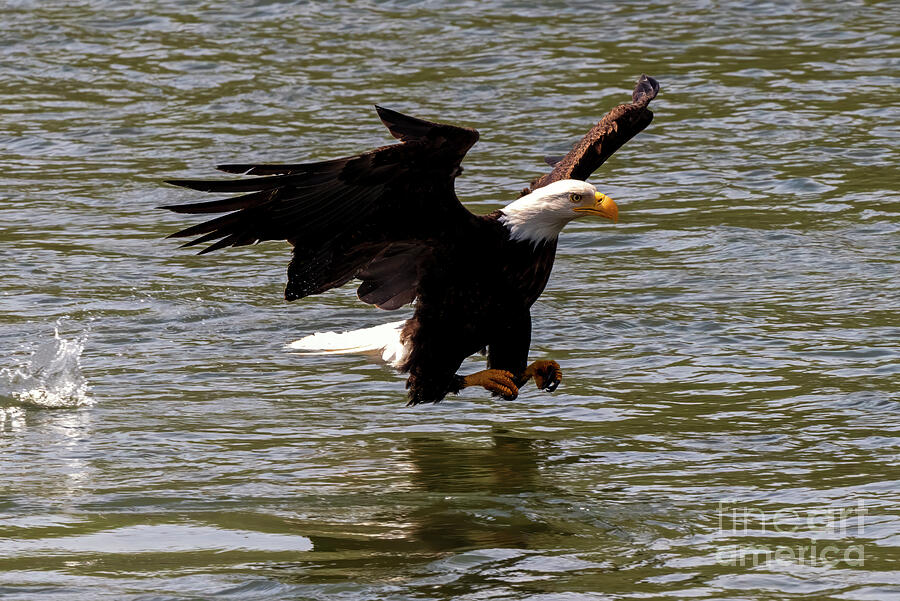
(51, 377)
(14, 415)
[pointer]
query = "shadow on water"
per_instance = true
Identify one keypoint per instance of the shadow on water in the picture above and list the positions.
(461, 498)
(476, 492)
(478, 517)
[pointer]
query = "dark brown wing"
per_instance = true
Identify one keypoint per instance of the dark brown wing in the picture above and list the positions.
(617, 127)
(344, 214)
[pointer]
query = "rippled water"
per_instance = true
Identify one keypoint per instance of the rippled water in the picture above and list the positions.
(728, 423)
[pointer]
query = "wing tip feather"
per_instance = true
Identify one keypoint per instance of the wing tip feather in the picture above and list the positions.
(645, 90)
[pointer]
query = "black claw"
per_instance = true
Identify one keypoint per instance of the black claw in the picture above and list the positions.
(552, 386)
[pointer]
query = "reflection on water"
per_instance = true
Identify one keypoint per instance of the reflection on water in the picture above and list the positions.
(508, 466)
(731, 343)
(474, 492)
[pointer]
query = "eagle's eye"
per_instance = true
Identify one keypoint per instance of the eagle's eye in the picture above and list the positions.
(575, 197)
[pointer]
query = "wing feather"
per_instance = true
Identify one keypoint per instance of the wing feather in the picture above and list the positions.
(234, 203)
(279, 169)
(341, 214)
(615, 128)
(407, 129)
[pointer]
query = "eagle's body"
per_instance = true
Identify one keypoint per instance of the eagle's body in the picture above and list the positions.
(473, 297)
(390, 218)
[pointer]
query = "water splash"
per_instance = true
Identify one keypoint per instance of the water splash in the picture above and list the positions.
(14, 415)
(51, 377)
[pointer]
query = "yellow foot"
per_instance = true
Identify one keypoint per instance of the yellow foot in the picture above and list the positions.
(498, 381)
(547, 374)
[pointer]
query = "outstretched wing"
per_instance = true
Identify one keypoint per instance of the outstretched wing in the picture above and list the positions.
(617, 127)
(346, 217)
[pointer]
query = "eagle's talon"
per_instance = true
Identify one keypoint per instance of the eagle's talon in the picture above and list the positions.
(504, 385)
(547, 374)
(498, 381)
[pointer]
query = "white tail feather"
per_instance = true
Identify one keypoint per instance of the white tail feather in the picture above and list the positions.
(383, 340)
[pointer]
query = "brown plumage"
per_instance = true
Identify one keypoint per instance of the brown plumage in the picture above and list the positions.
(617, 127)
(390, 218)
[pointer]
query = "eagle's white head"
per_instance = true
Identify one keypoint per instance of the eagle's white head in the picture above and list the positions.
(541, 215)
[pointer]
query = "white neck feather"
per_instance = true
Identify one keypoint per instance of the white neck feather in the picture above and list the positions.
(530, 219)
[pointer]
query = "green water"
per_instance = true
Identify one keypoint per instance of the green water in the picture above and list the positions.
(728, 423)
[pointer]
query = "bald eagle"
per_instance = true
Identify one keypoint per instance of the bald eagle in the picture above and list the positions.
(390, 218)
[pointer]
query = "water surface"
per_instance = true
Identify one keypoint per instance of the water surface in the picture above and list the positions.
(728, 423)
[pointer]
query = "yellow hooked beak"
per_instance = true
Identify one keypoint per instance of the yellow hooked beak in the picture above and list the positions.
(604, 206)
